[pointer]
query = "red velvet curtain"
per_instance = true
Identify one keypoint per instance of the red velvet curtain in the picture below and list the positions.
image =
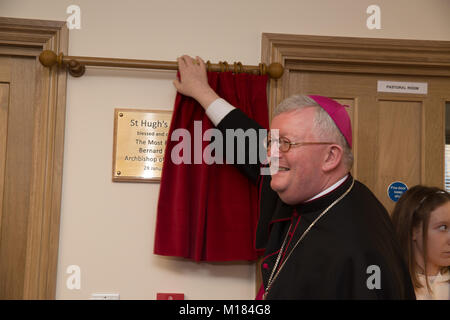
(209, 212)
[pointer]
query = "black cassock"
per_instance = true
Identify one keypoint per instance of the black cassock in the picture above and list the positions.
(350, 253)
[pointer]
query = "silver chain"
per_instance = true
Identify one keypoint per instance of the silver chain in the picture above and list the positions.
(274, 275)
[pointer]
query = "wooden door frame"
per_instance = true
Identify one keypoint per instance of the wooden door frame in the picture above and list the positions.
(27, 38)
(352, 55)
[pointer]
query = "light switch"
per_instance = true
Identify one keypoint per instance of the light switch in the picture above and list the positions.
(105, 296)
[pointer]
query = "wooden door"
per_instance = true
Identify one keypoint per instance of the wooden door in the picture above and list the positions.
(397, 137)
(32, 114)
(16, 117)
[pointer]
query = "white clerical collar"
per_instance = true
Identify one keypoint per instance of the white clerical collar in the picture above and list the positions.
(329, 189)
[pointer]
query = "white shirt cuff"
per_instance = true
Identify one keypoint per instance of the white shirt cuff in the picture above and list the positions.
(218, 110)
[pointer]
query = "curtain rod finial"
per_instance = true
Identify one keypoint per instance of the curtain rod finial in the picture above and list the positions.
(275, 70)
(48, 58)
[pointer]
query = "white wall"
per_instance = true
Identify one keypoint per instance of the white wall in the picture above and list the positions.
(108, 228)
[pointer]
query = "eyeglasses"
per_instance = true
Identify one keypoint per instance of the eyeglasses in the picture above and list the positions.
(284, 144)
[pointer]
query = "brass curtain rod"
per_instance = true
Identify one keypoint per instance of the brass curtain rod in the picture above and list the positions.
(76, 65)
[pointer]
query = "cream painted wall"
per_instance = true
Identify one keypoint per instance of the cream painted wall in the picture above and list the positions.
(107, 228)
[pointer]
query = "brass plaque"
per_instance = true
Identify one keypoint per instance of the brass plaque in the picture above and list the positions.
(140, 138)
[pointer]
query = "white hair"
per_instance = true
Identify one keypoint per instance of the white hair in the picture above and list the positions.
(326, 129)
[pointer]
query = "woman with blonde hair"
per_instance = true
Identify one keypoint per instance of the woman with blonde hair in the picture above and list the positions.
(421, 219)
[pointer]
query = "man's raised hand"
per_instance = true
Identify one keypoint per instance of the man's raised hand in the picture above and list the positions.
(194, 80)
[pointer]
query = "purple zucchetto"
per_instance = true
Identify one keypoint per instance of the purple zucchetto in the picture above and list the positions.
(337, 112)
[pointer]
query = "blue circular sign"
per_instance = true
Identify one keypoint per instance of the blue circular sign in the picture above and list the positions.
(396, 190)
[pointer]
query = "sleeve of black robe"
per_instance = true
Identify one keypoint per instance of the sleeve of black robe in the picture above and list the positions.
(237, 120)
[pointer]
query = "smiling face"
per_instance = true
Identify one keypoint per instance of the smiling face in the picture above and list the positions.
(438, 240)
(300, 176)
